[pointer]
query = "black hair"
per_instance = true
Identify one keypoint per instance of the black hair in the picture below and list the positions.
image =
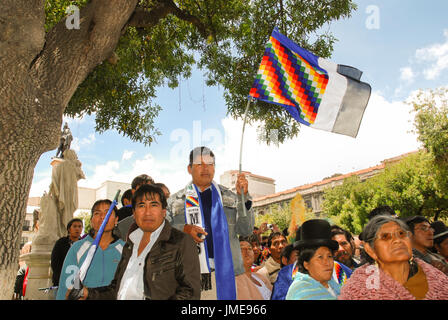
(69, 224)
(286, 252)
(335, 230)
(126, 195)
(412, 221)
(98, 202)
(151, 190)
(273, 235)
(381, 210)
(200, 151)
(253, 238)
(305, 255)
(161, 185)
(141, 179)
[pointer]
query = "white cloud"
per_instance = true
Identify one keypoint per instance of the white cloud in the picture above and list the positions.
(407, 75)
(127, 155)
(437, 54)
(38, 187)
(103, 172)
(78, 144)
(313, 155)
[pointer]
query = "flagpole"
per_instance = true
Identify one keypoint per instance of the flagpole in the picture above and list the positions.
(241, 155)
(86, 264)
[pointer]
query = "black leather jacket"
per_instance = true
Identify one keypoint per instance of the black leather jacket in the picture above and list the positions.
(171, 271)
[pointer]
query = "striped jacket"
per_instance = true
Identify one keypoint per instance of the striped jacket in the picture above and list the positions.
(306, 288)
(102, 268)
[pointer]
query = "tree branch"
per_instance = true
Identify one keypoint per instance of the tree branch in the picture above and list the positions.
(183, 15)
(71, 54)
(144, 18)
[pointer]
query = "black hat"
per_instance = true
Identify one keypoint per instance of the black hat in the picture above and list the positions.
(440, 231)
(316, 232)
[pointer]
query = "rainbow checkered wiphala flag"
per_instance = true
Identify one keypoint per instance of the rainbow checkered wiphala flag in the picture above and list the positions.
(316, 92)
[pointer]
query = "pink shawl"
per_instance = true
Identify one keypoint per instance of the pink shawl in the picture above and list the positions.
(362, 285)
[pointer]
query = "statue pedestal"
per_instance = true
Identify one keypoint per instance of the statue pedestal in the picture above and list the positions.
(39, 275)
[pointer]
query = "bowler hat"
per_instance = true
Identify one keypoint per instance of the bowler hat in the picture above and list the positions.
(316, 233)
(440, 230)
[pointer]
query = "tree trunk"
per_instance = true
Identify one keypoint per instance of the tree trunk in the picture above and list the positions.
(39, 73)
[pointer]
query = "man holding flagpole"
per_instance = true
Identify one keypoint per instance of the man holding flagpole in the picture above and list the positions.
(101, 268)
(213, 215)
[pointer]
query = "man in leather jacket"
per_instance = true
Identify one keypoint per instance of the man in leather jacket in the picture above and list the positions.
(160, 255)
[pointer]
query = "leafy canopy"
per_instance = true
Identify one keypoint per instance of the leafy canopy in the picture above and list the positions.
(227, 47)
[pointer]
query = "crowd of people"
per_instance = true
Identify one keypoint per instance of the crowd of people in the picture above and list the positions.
(201, 243)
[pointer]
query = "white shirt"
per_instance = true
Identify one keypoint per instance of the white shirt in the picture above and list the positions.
(265, 292)
(132, 283)
(331, 291)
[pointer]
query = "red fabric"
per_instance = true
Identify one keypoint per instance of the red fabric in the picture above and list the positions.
(25, 280)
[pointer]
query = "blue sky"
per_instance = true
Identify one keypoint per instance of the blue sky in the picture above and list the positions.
(400, 45)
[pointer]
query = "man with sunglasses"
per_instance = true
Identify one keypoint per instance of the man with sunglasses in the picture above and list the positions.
(422, 242)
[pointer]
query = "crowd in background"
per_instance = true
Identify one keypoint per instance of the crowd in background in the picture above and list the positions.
(151, 250)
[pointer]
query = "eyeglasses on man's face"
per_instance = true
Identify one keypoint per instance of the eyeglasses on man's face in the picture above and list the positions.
(424, 228)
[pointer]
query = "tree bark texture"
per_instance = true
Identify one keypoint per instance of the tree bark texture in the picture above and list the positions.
(39, 73)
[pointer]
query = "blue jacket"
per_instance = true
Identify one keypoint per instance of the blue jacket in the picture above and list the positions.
(101, 271)
(305, 287)
(285, 279)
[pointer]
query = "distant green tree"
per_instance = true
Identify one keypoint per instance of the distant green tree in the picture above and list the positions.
(277, 214)
(408, 186)
(431, 125)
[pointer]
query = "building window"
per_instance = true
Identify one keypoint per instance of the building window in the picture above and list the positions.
(308, 204)
(26, 226)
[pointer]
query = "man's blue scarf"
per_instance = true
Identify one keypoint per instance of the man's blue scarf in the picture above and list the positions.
(224, 273)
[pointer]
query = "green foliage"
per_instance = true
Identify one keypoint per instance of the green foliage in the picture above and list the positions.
(431, 125)
(85, 217)
(431, 122)
(55, 10)
(227, 45)
(409, 187)
(279, 215)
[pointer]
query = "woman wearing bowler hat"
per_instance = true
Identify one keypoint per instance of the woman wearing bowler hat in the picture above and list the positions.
(314, 280)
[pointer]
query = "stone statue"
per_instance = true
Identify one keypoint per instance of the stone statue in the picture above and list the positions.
(48, 231)
(65, 141)
(64, 188)
(58, 206)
